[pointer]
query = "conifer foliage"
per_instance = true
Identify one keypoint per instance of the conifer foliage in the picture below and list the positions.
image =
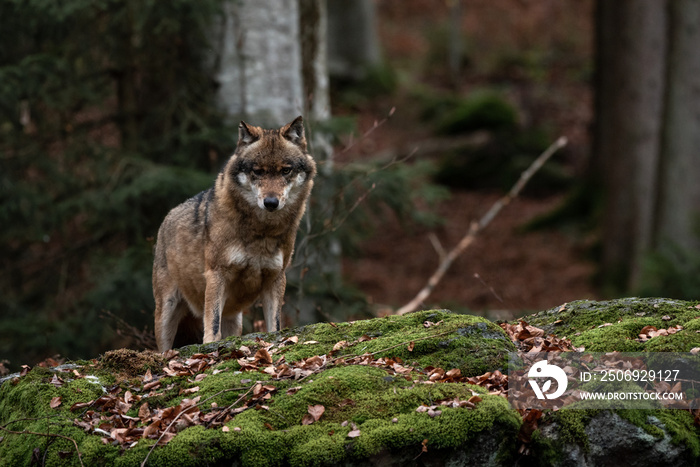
(107, 120)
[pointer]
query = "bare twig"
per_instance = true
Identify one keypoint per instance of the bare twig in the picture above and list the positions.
(239, 399)
(50, 435)
(491, 289)
(187, 410)
(437, 245)
(402, 344)
(477, 227)
(377, 124)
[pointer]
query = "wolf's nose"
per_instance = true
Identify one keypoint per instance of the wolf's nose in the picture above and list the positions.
(271, 203)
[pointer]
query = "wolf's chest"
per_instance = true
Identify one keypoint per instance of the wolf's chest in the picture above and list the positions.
(249, 272)
(242, 258)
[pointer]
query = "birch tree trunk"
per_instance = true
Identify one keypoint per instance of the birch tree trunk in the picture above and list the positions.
(272, 58)
(260, 61)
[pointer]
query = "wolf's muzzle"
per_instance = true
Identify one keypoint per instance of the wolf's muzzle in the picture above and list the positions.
(271, 203)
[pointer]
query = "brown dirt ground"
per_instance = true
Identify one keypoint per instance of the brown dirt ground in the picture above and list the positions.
(516, 270)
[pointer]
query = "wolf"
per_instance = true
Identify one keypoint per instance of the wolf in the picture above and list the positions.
(222, 249)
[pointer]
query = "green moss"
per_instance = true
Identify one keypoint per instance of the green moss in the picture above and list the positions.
(680, 425)
(470, 343)
(328, 448)
(582, 321)
(573, 424)
(367, 396)
(455, 427)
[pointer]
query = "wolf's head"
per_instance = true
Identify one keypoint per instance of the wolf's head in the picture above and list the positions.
(271, 168)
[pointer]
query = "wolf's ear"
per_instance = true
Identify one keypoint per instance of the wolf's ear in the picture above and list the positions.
(294, 132)
(246, 134)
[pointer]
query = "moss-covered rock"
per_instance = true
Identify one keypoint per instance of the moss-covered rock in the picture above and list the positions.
(380, 404)
(373, 376)
(614, 325)
(619, 437)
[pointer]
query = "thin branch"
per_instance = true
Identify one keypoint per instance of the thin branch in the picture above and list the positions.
(187, 410)
(377, 124)
(432, 336)
(477, 227)
(437, 245)
(239, 399)
(49, 435)
(342, 357)
(402, 344)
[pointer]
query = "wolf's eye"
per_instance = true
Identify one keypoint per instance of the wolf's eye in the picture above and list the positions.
(286, 170)
(258, 172)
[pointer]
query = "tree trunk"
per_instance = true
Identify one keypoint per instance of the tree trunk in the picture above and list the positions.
(631, 43)
(313, 26)
(260, 61)
(678, 208)
(455, 49)
(273, 67)
(353, 44)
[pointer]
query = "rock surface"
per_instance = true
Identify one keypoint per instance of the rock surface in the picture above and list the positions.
(422, 389)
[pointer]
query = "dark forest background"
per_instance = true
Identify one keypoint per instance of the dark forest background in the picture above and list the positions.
(111, 114)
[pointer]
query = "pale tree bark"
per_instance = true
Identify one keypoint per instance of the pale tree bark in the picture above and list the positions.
(631, 45)
(259, 60)
(678, 208)
(272, 57)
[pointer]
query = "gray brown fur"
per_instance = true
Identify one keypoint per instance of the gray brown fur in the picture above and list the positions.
(220, 250)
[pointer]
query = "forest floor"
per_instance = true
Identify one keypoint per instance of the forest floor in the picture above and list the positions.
(506, 271)
(541, 56)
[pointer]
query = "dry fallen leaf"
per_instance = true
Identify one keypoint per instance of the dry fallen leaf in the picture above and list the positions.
(291, 340)
(340, 345)
(354, 434)
(411, 346)
(315, 412)
(262, 357)
(56, 381)
(55, 402)
(144, 412)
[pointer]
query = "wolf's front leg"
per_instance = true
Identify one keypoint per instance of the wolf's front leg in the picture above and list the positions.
(214, 299)
(232, 325)
(272, 299)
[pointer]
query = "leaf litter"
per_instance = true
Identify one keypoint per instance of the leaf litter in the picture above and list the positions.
(108, 415)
